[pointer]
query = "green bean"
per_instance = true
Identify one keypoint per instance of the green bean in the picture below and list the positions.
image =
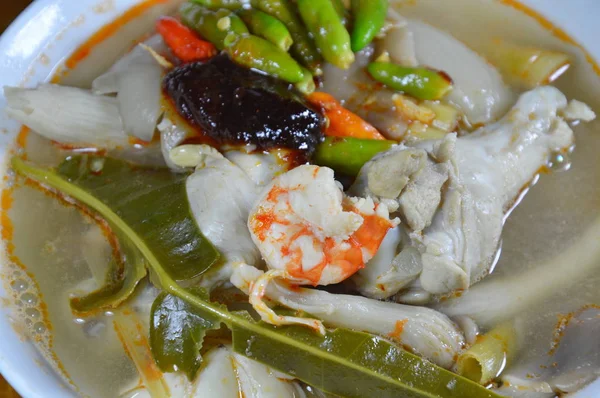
(348, 155)
(216, 4)
(325, 25)
(369, 18)
(256, 52)
(421, 83)
(213, 26)
(341, 11)
(303, 47)
(307, 84)
(268, 27)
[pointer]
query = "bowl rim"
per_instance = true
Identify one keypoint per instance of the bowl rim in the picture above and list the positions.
(21, 377)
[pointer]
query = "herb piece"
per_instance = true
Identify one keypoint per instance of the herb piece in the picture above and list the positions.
(122, 279)
(177, 331)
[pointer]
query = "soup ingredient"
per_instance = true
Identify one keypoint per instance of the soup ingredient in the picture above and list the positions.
(456, 225)
(214, 26)
(172, 134)
(68, 115)
(177, 330)
(372, 102)
(123, 276)
(234, 105)
(421, 330)
(307, 84)
(221, 196)
(399, 43)
(341, 11)
(303, 225)
(490, 354)
(124, 195)
(393, 268)
(330, 35)
(313, 357)
(411, 111)
(367, 369)
(421, 83)
(183, 42)
(262, 168)
(267, 27)
(528, 67)
(136, 79)
(348, 155)
(342, 122)
(130, 330)
(369, 18)
(139, 100)
(478, 90)
(216, 4)
(108, 83)
(226, 374)
(496, 300)
(255, 52)
(303, 47)
(446, 116)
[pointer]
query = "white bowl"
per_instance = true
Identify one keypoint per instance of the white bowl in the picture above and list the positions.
(54, 28)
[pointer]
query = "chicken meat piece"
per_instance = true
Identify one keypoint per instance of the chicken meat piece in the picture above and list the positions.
(453, 194)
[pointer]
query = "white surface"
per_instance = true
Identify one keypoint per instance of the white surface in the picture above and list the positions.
(35, 33)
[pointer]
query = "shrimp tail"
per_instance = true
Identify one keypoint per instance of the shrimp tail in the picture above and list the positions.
(257, 292)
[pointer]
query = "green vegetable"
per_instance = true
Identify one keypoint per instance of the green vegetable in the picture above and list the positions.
(484, 361)
(325, 25)
(303, 47)
(369, 18)
(341, 11)
(421, 83)
(147, 206)
(255, 52)
(307, 84)
(214, 26)
(268, 27)
(348, 155)
(177, 330)
(122, 279)
(344, 362)
(215, 4)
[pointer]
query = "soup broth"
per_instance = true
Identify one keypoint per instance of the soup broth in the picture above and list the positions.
(62, 249)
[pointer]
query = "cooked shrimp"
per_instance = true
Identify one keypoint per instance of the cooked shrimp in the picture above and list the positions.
(310, 233)
(303, 224)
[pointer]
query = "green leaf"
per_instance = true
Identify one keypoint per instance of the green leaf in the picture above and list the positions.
(177, 330)
(343, 362)
(122, 279)
(148, 206)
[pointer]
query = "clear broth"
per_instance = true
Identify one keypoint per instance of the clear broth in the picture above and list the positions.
(50, 241)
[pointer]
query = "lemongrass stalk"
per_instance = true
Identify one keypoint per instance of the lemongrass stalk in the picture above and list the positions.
(131, 333)
(446, 116)
(528, 66)
(490, 354)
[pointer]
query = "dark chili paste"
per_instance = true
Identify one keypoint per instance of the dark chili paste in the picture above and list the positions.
(235, 105)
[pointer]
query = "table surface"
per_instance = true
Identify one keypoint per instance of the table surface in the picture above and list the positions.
(8, 11)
